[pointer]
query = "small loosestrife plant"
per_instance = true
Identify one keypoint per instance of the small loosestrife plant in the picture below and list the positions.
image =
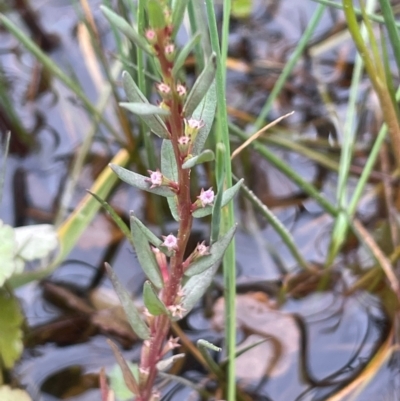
(182, 118)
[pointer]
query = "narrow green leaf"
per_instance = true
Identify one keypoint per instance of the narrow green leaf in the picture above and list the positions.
(150, 298)
(203, 347)
(226, 198)
(145, 255)
(206, 344)
(173, 207)
(144, 109)
(184, 53)
(151, 237)
(205, 111)
(134, 95)
(129, 378)
(140, 181)
(200, 87)
(216, 209)
(217, 251)
(156, 14)
(170, 170)
(122, 25)
(168, 162)
(117, 220)
(133, 315)
(196, 286)
(279, 228)
(203, 157)
(178, 11)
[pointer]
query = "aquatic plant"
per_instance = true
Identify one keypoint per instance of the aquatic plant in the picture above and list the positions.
(183, 119)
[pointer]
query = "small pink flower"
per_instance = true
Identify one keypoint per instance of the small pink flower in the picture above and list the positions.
(202, 250)
(151, 35)
(206, 197)
(156, 178)
(194, 124)
(177, 311)
(163, 88)
(170, 242)
(169, 49)
(184, 140)
(171, 344)
(181, 90)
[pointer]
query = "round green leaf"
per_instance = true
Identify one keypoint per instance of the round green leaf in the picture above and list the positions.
(36, 242)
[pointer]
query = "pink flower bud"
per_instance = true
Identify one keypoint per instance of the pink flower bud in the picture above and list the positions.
(202, 250)
(181, 90)
(163, 88)
(206, 197)
(156, 178)
(170, 242)
(184, 140)
(170, 345)
(151, 36)
(177, 311)
(192, 126)
(169, 49)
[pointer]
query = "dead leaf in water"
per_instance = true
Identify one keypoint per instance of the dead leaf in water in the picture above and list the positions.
(258, 318)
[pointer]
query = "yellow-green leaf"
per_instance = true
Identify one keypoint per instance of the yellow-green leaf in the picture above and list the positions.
(11, 319)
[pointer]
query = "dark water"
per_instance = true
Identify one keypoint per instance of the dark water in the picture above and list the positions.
(324, 338)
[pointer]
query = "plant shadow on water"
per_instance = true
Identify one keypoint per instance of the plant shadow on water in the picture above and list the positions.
(315, 339)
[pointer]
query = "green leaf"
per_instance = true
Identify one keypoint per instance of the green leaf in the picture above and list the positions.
(117, 220)
(117, 383)
(170, 170)
(178, 11)
(133, 315)
(173, 207)
(184, 53)
(127, 374)
(36, 242)
(134, 95)
(203, 157)
(226, 198)
(122, 25)
(140, 181)
(205, 111)
(201, 86)
(156, 14)
(168, 162)
(241, 8)
(216, 209)
(144, 109)
(8, 247)
(152, 302)
(151, 237)
(145, 255)
(203, 347)
(217, 251)
(11, 320)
